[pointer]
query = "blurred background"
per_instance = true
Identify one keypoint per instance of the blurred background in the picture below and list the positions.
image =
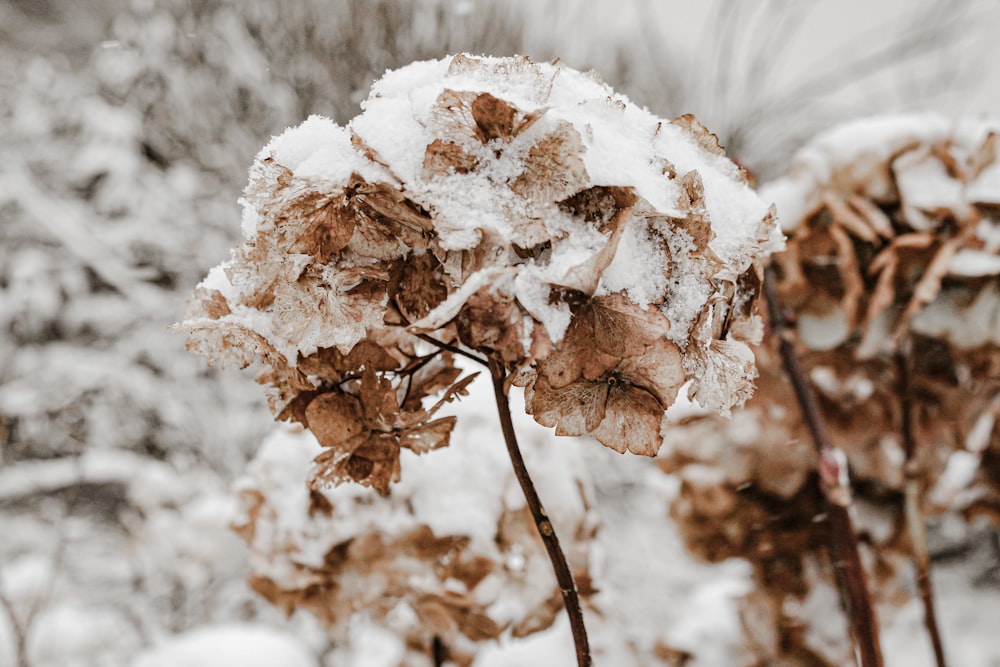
(126, 131)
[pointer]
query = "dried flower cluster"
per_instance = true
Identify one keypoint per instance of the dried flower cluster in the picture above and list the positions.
(892, 272)
(521, 210)
(412, 564)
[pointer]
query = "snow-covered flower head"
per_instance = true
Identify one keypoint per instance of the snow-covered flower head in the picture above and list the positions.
(522, 210)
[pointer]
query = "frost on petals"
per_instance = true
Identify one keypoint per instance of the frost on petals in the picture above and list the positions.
(524, 211)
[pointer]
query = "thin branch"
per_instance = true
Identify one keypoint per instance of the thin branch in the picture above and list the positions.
(454, 349)
(914, 516)
(438, 651)
(835, 485)
(564, 577)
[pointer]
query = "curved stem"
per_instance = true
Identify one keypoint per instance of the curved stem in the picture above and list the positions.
(564, 577)
(834, 482)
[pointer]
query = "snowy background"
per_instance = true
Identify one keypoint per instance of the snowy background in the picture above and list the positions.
(127, 129)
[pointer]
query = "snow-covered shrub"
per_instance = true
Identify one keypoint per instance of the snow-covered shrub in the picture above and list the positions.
(892, 275)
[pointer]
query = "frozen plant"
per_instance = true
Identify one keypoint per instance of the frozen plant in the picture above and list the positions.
(522, 215)
(891, 278)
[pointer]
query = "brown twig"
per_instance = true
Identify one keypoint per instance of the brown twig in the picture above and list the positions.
(832, 468)
(564, 577)
(914, 516)
(438, 651)
(454, 349)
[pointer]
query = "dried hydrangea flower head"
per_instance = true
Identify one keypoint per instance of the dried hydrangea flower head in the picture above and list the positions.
(892, 271)
(522, 210)
(411, 565)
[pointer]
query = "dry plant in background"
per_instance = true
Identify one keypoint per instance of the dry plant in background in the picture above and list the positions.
(891, 286)
(497, 209)
(409, 567)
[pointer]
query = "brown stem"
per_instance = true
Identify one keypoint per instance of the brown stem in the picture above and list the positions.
(454, 349)
(438, 651)
(832, 468)
(564, 576)
(914, 516)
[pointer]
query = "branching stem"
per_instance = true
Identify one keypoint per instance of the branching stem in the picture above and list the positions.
(564, 577)
(836, 489)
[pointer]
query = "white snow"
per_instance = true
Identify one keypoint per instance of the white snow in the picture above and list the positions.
(236, 645)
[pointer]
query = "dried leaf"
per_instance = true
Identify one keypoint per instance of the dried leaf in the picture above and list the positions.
(335, 419)
(443, 158)
(706, 140)
(430, 436)
(494, 118)
(416, 286)
(553, 168)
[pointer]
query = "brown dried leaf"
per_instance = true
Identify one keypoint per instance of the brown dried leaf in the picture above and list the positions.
(874, 216)
(330, 364)
(621, 328)
(445, 157)
(574, 409)
(599, 204)
(335, 419)
(209, 303)
(494, 118)
(318, 225)
(417, 286)
(373, 463)
(850, 274)
(705, 139)
(430, 436)
(386, 211)
(433, 376)
(492, 322)
(330, 310)
(723, 374)
(984, 156)
(845, 216)
(632, 421)
(554, 168)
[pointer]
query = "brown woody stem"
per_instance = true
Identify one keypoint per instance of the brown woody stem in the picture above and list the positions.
(564, 577)
(911, 506)
(832, 468)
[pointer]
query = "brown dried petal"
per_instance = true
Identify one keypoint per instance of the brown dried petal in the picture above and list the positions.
(209, 303)
(446, 157)
(430, 436)
(659, 370)
(705, 139)
(319, 226)
(553, 167)
(334, 418)
(492, 321)
(575, 409)
(373, 463)
(621, 328)
(494, 118)
(417, 286)
(632, 421)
